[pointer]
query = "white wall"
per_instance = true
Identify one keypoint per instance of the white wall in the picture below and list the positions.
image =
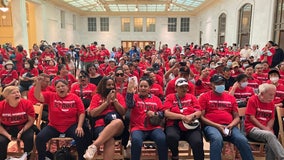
(48, 26)
(261, 25)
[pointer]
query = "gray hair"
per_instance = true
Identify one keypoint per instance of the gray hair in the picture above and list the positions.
(265, 87)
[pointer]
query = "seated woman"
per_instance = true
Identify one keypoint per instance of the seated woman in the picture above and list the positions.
(144, 106)
(63, 73)
(16, 118)
(66, 116)
(183, 107)
(95, 76)
(27, 75)
(107, 107)
(84, 89)
(8, 75)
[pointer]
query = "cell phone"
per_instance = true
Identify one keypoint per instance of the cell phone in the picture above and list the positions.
(182, 63)
(227, 131)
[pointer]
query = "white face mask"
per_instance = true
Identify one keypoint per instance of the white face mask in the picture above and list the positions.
(274, 79)
(27, 66)
(244, 84)
(36, 61)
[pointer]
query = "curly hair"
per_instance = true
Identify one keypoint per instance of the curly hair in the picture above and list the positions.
(101, 88)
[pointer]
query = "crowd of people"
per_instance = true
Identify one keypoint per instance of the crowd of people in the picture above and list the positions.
(97, 96)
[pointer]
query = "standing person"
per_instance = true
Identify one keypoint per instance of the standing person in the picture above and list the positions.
(278, 56)
(144, 107)
(16, 119)
(182, 107)
(66, 116)
(260, 119)
(220, 118)
(108, 108)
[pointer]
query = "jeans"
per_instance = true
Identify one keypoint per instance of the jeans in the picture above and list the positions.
(216, 142)
(157, 135)
(193, 137)
(273, 147)
(49, 132)
(27, 137)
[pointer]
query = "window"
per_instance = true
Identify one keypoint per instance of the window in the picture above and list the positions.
(279, 23)
(172, 24)
(92, 24)
(244, 24)
(138, 24)
(222, 28)
(62, 19)
(184, 24)
(151, 24)
(125, 24)
(104, 24)
(74, 22)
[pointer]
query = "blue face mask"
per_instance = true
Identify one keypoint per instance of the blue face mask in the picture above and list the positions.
(220, 88)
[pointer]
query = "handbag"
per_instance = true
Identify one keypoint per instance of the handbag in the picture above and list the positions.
(156, 120)
(183, 125)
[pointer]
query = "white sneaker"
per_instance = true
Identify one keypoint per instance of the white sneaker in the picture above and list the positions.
(90, 152)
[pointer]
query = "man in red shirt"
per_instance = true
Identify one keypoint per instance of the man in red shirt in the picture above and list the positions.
(220, 118)
(260, 119)
(252, 82)
(259, 75)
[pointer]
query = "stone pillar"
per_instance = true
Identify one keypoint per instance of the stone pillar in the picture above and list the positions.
(19, 19)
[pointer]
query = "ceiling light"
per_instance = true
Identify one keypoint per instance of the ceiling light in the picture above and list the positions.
(4, 9)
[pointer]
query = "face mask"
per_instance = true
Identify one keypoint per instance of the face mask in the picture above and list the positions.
(9, 66)
(274, 79)
(212, 66)
(108, 90)
(97, 65)
(245, 65)
(221, 49)
(36, 61)
(27, 66)
(190, 61)
(244, 84)
(269, 53)
(229, 63)
(220, 88)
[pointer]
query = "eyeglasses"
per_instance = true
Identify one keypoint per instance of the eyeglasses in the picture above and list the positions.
(119, 74)
(82, 77)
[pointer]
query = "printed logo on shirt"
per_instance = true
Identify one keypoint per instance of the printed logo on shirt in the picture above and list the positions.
(14, 117)
(221, 105)
(147, 105)
(263, 114)
(64, 105)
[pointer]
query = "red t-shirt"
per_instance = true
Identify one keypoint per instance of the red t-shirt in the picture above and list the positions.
(108, 70)
(87, 91)
(8, 76)
(189, 104)
(139, 119)
(70, 78)
(243, 94)
(31, 96)
(97, 101)
(16, 116)
(33, 72)
(261, 77)
(171, 87)
(157, 90)
(263, 112)
(218, 109)
(63, 112)
(47, 54)
(203, 87)
(19, 58)
(253, 83)
(51, 70)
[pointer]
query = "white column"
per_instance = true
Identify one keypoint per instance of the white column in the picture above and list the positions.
(19, 19)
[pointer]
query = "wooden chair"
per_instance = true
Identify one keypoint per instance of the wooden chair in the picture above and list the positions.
(280, 116)
(19, 147)
(118, 153)
(260, 145)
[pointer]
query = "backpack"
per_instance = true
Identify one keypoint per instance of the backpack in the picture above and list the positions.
(63, 154)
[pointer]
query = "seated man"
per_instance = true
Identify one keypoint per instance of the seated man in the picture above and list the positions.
(260, 118)
(220, 117)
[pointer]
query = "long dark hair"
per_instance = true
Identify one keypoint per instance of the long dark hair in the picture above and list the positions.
(101, 88)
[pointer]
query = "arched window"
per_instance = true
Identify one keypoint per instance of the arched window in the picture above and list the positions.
(279, 23)
(222, 28)
(245, 14)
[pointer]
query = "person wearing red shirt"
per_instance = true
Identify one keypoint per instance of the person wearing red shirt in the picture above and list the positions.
(47, 53)
(184, 72)
(8, 75)
(35, 51)
(62, 51)
(143, 64)
(147, 53)
(66, 116)
(196, 67)
(104, 51)
(108, 107)
(166, 52)
(63, 74)
(27, 76)
(259, 75)
(241, 91)
(89, 57)
(202, 83)
(260, 118)
(268, 52)
(220, 118)
(144, 106)
(110, 69)
(252, 82)
(51, 69)
(84, 89)
(182, 107)
(19, 59)
(17, 116)
(156, 88)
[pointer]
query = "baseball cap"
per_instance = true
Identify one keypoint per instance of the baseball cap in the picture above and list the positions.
(111, 60)
(219, 64)
(181, 81)
(217, 78)
(9, 62)
(235, 64)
